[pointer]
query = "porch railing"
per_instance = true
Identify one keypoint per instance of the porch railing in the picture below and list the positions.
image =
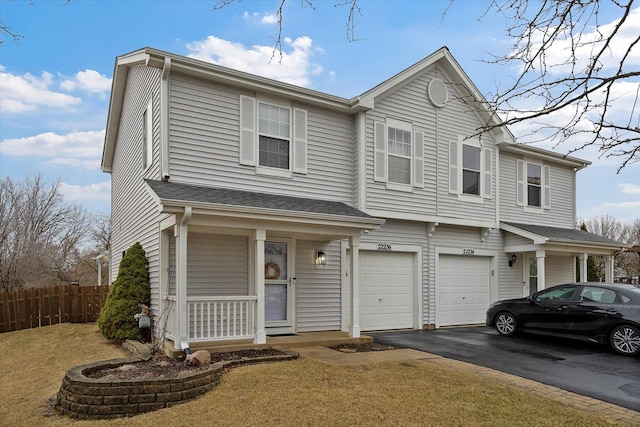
(221, 318)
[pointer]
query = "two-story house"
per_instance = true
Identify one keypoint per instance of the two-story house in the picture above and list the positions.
(266, 208)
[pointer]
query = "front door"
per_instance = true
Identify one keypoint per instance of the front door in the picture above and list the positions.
(278, 287)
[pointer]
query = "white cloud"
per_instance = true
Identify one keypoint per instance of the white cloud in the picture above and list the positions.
(100, 191)
(27, 92)
(630, 188)
(79, 149)
(294, 68)
(89, 81)
(269, 19)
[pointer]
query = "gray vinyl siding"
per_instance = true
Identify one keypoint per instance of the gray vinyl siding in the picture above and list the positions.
(204, 144)
(439, 125)
(317, 287)
(457, 237)
(134, 215)
(561, 213)
(409, 103)
(217, 265)
(407, 233)
(559, 270)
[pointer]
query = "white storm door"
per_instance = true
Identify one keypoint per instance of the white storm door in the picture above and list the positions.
(278, 287)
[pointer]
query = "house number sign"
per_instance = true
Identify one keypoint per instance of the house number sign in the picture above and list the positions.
(384, 247)
(468, 251)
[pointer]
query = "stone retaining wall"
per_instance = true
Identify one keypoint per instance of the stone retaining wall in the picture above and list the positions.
(82, 397)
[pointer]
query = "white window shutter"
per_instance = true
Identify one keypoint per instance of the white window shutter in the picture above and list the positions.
(520, 183)
(546, 176)
(418, 160)
(380, 157)
(454, 174)
(299, 140)
(248, 140)
(487, 174)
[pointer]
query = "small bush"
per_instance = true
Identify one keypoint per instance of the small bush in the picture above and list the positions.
(127, 293)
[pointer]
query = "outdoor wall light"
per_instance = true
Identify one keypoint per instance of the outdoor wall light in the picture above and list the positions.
(321, 258)
(512, 261)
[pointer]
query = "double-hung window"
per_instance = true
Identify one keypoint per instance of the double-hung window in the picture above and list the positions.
(399, 151)
(399, 155)
(273, 137)
(533, 185)
(470, 170)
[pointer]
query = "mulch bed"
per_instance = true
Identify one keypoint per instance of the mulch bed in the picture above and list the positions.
(163, 367)
(362, 347)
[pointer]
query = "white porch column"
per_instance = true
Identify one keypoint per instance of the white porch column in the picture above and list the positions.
(181, 234)
(583, 266)
(608, 268)
(259, 237)
(542, 281)
(354, 324)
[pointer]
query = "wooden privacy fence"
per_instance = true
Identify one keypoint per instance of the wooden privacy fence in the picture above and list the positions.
(32, 308)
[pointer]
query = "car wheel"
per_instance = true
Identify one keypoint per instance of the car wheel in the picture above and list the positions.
(625, 339)
(506, 324)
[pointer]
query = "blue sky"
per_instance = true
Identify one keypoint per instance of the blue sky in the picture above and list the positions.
(54, 83)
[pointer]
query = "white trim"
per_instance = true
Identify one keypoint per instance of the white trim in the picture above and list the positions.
(361, 147)
(164, 120)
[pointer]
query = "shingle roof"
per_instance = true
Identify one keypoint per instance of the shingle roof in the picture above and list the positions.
(556, 233)
(222, 196)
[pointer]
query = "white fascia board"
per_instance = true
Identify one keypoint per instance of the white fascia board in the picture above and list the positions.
(258, 84)
(202, 208)
(118, 85)
(536, 238)
(405, 216)
(529, 150)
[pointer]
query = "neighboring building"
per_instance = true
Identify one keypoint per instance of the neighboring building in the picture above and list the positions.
(266, 208)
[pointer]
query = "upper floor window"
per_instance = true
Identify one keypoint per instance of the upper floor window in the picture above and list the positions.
(399, 149)
(533, 185)
(147, 136)
(470, 170)
(274, 128)
(399, 155)
(273, 137)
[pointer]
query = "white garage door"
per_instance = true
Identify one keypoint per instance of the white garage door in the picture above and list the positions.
(462, 289)
(386, 290)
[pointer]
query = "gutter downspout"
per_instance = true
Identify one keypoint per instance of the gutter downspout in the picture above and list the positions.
(164, 120)
(181, 291)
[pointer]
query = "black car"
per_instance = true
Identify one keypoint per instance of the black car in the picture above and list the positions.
(606, 313)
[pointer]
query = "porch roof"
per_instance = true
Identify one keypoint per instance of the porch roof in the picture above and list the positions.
(215, 198)
(541, 234)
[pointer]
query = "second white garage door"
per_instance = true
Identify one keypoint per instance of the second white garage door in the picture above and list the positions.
(387, 283)
(463, 288)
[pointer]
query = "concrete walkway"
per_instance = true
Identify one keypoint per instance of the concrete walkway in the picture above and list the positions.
(608, 410)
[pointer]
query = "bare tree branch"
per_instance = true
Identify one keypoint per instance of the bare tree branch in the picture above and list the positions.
(569, 63)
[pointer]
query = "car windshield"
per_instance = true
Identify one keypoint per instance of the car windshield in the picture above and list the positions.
(561, 293)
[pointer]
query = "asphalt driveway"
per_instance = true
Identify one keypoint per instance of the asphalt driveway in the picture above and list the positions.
(583, 368)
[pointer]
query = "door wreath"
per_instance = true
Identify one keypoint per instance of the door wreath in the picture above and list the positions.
(271, 270)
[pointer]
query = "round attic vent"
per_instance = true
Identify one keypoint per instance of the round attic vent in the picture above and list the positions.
(437, 92)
